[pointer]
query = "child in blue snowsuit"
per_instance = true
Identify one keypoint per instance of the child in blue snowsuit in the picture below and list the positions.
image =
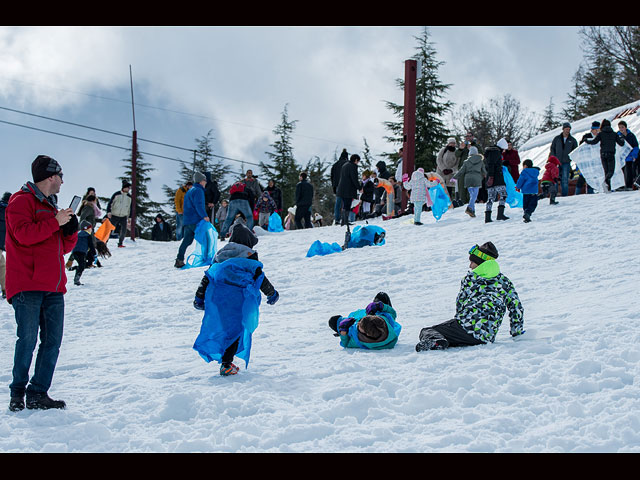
(229, 293)
(528, 185)
(371, 328)
(79, 252)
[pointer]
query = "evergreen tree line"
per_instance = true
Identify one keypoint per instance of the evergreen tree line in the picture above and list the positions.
(608, 76)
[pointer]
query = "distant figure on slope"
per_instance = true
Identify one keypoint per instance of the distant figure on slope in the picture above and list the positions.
(419, 192)
(485, 295)
(229, 294)
(607, 139)
(79, 252)
(528, 185)
(472, 173)
(371, 328)
(550, 179)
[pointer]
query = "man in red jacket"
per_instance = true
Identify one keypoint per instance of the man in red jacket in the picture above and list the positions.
(38, 235)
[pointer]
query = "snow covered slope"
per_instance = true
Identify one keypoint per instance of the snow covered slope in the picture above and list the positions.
(133, 383)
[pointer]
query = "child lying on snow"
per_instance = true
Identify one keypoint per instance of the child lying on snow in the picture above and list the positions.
(229, 293)
(372, 328)
(484, 296)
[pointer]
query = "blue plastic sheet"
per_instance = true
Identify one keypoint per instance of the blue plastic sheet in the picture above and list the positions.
(323, 248)
(206, 237)
(440, 200)
(364, 235)
(514, 199)
(232, 302)
(275, 223)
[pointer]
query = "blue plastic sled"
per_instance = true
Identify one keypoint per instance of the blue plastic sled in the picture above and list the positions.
(514, 199)
(206, 237)
(440, 200)
(275, 223)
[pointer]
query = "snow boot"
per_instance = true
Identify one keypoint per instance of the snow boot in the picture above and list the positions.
(42, 401)
(470, 212)
(16, 404)
(501, 215)
(526, 217)
(76, 279)
(487, 216)
(227, 369)
(179, 263)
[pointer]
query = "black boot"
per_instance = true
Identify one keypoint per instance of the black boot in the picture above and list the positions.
(16, 404)
(76, 279)
(501, 215)
(527, 218)
(487, 216)
(41, 401)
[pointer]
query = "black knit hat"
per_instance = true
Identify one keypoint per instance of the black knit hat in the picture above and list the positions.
(44, 167)
(241, 234)
(487, 250)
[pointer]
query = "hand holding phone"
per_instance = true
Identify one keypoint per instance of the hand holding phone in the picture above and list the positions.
(74, 203)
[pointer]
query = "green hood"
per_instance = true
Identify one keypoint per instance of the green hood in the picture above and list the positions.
(488, 269)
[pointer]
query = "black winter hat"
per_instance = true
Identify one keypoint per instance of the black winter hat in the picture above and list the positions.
(244, 236)
(488, 250)
(44, 167)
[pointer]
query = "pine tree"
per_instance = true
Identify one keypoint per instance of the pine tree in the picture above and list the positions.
(318, 172)
(146, 209)
(431, 132)
(575, 106)
(366, 162)
(282, 167)
(549, 121)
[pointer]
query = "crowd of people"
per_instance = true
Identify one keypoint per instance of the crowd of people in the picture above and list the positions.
(32, 226)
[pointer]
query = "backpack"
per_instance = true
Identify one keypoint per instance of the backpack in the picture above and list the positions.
(237, 187)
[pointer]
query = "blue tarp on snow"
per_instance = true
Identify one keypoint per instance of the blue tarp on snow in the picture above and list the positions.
(440, 200)
(514, 199)
(275, 223)
(206, 237)
(364, 235)
(323, 248)
(232, 302)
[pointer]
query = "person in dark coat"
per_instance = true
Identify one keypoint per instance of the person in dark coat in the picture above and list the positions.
(336, 171)
(3, 229)
(607, 139)
(496, 187)
(211, 196)
(631, 162)
(561, 147)
(161, 231)
(304, 199)
(348, 186)
(380, 191)
(276, 194)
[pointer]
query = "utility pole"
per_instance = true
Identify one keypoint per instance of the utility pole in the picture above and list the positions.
(409, 130)
(134, 166)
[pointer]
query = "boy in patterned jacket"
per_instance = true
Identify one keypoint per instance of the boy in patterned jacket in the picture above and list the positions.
(484, 297)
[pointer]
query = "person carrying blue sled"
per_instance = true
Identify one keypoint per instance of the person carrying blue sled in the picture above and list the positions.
(371, 328)
(229, 294)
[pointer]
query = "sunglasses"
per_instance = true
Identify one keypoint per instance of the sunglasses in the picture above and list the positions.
(475, 250)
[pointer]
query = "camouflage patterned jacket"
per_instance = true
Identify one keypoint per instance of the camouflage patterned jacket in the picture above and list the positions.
(485, 295)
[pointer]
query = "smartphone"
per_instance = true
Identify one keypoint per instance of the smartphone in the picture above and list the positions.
(74, 203)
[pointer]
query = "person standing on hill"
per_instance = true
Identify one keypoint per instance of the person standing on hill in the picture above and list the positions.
(37, 238)
(561, 147)
(348, 186)
(179, 206)
(194, 211)
(119, 210)
(304, 199)
(607, 139)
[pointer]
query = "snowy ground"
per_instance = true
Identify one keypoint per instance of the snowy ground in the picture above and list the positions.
(133, 383)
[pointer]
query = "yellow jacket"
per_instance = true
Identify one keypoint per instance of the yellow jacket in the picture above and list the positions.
(179, 200)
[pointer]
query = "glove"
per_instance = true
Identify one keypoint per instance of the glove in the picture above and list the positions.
(198, 303)
(374, 307)
(405, 177)
(273, 298)
(70, 227)
(345, 324)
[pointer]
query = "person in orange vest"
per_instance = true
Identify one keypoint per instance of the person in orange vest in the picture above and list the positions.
(179, 206)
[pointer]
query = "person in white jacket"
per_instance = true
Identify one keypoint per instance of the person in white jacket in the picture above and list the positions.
(419, 186)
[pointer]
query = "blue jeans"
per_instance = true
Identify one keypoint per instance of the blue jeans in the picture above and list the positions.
(189, 233)
(565, 171)
(43, 312)
(417, 211)
(473, 196)
(234, 207)
(337, 210)
(179, 226)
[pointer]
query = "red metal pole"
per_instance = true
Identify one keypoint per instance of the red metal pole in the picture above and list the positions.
(409, 131)
(134, 167)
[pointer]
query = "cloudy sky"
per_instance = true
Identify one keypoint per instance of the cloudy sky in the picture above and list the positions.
(236, 82)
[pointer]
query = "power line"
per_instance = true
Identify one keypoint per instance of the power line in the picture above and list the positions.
(176, 111)
(118, 146)
(112, 133)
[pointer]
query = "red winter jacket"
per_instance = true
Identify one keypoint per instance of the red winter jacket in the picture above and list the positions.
(551, 170)
(35, 244)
